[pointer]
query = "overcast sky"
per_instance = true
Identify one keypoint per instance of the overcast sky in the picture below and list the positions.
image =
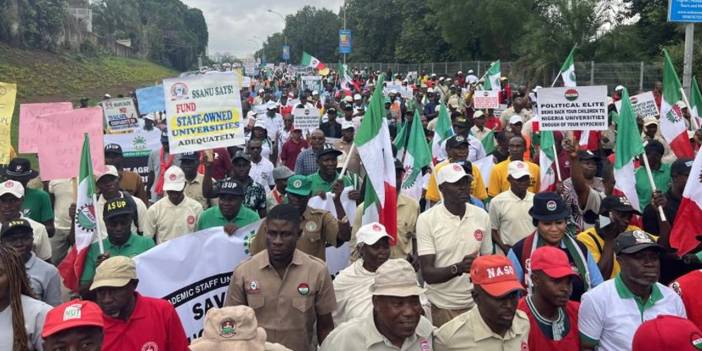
(234, 24)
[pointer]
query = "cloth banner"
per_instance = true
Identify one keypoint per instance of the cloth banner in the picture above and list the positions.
(8, 92)
(136, 147)
(210, 255)
(151, 99)
(29, 135)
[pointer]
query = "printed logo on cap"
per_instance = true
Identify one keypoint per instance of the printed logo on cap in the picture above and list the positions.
(478, 235)
(227, 328)
(457, 167)
(116, 205)
(520, 165)
(551, 205)
(624, 201)
(297, 183)
(72, 312)
(150, 346)
(303, 289)
(376, 227)
(641, 237)
(172, 177)
(9, 184)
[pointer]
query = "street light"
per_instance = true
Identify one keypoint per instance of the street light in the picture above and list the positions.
(285, 36)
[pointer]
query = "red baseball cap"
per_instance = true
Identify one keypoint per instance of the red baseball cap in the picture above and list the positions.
(72, 314)
(552, 261)
(495, 275)
(667, 333)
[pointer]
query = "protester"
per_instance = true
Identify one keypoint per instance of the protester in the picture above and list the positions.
(255, 193)
(553, 318)
(133, 321)
(277, 196)
(306, 162)
(461, 127)
(260, 133)
(174, 215)
(494, 323)
(651, 132)
(120, 241)
(272, 120)
(261, 168)
(11, 196)
(659, 170)
(108, 186)
(230, 213)
(327, 177)
(189, 163)
(62, 197)
(74, 325)
(394, 322)
(583, 191)
(498, 178)
(292, 148)
(479, 130)
(21, 316)
(344, 145)
(43, 277)
(509, 211)
(611, 313)
(450, 236)
(36, 203)
(159, 161)
(331, 128)
(128, 180)
(281, 272)
(668, 200)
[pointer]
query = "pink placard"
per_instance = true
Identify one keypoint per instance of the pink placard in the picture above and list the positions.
(29, 136)
(62, 140)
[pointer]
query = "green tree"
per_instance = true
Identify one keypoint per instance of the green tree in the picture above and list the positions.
(420, 39)
(376, 26)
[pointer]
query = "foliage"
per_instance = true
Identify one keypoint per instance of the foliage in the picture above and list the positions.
(32, 23)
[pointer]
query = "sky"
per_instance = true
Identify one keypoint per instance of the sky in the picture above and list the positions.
(238, 27)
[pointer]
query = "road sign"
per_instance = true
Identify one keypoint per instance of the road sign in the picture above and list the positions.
(344, 41)
(689, 11)
(286, 52)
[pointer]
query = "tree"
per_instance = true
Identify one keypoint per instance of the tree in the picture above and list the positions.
(420, 39)
(376, 26)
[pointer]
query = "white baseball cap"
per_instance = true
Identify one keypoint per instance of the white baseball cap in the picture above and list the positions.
(315, 92)
(260, 123)
(261, 90)
(348, 98)
(357, 97)
(515, 119)
(681, 104)
(270, 105)
(518, 169)
(451, 173)
(347, 124)
(370, 233)
(478, 114)
(619, 88)
(470, 71)
(174, 179)
(109, 170)
(12, 187)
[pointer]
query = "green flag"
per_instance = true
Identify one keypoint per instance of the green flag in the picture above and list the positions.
(418, 156)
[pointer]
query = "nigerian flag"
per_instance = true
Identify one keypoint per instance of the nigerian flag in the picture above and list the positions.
(442, 131)
(400, 142)
(568, 70)
(696, 103)
(492, 77)
(547, 157)
(418, 156)
(311, 61)
(628, 146)
(488, 142)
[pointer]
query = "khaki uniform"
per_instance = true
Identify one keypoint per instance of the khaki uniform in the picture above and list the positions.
(319, 229)
(407, 213)
(131, 182)
(193, 190)
(362, 334)
(468, 332)
(166, 221)
(63, 198)
(510, 217)
(287, 307)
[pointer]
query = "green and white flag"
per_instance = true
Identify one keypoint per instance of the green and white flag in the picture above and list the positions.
(488, 142)
(547, 157)
(568, 71)
(492, 77)
(628, 146)
(696, 103)
(400, 142)
(442, 131)
(311, 61)
(417, 157)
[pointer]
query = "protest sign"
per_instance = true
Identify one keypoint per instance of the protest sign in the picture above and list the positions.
(120, 114)
(151, 99)
(573, 108)
(8, 92)
(29, 136)
(486, 99)
(203, 112)
(61, 157)
(136, 147)
(644, 105)
(311, 83)
(306, 118)
(404, 91)
(210, 256)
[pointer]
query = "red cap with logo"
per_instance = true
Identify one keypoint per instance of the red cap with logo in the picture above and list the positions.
(552, 261)
(495, 275)
(72, 314)
(667, 333)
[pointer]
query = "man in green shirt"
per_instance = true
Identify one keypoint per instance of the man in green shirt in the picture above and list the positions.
(654, 151)
(229, 213)
(324, 179)
(37, 203)
(120, 241)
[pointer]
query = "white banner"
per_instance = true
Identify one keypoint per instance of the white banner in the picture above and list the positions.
(120, 114)
(210, 256)
(576, 108)
(203, 112)
(137, 142)
(486, 99)
(404, 91)
(644, 105)
(311, 83)
(306, 118)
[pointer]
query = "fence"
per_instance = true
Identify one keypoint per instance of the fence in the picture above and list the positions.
(636, 76)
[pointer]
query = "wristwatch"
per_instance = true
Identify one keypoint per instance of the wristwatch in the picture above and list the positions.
(454, 269)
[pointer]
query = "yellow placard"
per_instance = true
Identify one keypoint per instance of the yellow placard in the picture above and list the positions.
(8, 92)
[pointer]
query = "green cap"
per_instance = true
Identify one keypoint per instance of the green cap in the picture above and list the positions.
(299, 185)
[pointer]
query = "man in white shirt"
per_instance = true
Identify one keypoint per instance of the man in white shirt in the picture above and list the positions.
(261, 168)
(611, 313)
(174, 215)
(11, 197)
(509, 210)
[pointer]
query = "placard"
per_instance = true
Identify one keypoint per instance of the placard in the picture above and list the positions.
(486, 99)
(311, 83)
(306, 118)
(29, 136)
(8, 92)
(136, 147)
(151, 99)
(644, 105)
(120, 114)
(573, 108)
(203, 112)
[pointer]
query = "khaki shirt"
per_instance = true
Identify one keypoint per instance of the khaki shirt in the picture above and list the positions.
(319, 229)
(510, 217)
(468, 332)
(166, 221)
(63, 198)
(362, 334)
(193, 190)
(450, 238)
(407, 213)
(286, 307)
(131, 182)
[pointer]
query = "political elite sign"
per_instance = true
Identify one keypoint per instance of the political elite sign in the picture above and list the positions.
(203, 112)
(573, 108)
(120, 114)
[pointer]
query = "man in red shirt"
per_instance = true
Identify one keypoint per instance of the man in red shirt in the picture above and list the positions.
(132, 321)
(292, 148)
(553, 318)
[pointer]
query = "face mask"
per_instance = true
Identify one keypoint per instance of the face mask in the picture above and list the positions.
(604, 221)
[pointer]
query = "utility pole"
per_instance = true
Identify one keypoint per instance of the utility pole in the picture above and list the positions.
(687, 62)
(344, 27)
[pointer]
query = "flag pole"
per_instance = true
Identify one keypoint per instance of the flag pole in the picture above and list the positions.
(555, 158)
(346, 161)
(653, 186)
(693, 120)
(101, 246)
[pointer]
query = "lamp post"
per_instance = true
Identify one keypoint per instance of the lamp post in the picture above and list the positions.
(285, 36)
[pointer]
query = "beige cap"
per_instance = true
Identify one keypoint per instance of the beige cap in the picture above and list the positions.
(370, 233)
(109, 170)
(681, 104)
(650, 120)
(12, 187)
(395, 277)
(174, 179)
(478, 114)
(114, 272)
(231, 328)
(518, 169)
(451, 173)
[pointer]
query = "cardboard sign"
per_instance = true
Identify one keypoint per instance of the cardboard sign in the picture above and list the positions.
(60, 158)
(486, 99)
(8, 92)
(311, 83)
(644, 105)
(29, 136)
(306, 118)
(151, 99)
(203, 112)
(573, 108)
(120, 114)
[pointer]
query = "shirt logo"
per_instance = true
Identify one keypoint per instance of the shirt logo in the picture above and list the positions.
(191, 219)
(253, 287)
(150, 346)
(227, 328)
(424, 345)
(478, 235)
(303, 289)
